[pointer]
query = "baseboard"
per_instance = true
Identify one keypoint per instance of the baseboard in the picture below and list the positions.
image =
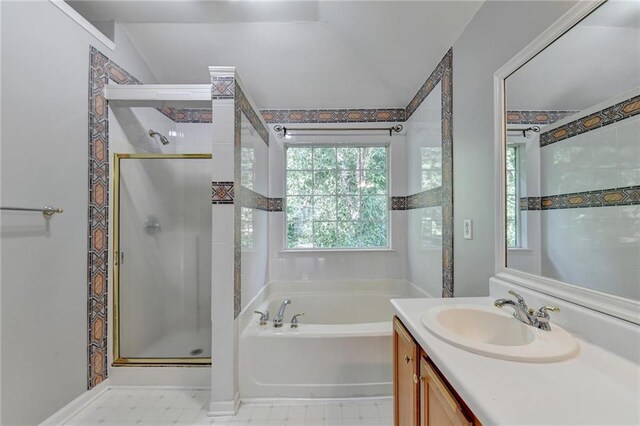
(224, 408)
(69, 410)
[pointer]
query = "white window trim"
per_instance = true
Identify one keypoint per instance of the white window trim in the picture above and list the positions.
(82, 21)
(388, 248)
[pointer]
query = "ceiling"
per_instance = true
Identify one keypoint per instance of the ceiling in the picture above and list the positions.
(597, 59)
(295, 54)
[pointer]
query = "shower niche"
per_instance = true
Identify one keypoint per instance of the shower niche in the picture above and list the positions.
(161, 225)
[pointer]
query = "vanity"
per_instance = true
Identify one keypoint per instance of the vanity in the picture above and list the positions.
(439, 383)
(567, 244)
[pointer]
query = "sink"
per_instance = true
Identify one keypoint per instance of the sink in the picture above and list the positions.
(496, 333)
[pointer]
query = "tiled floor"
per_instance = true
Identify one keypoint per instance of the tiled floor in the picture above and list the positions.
(155, 406)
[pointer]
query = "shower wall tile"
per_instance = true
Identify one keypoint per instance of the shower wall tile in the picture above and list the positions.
(222, 214)
(222, 159)
(224, 113)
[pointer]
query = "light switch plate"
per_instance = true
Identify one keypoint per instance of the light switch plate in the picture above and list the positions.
(468, 229)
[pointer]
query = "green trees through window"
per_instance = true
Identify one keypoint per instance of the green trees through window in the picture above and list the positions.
(513, 211)
(336, 197)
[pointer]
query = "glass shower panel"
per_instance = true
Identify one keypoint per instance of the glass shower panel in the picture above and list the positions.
(164, 265)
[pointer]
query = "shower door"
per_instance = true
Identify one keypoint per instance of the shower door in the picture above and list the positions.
(162, 259)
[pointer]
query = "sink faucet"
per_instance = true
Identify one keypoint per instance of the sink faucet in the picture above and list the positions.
(523, 313)
(520, 308)
(277, 320)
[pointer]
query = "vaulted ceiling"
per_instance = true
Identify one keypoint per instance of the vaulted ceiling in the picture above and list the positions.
(295, 54)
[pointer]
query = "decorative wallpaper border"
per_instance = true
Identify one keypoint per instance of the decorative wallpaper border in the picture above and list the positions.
(187, 115)
(428, 85)
(443, 72)
(625, 196)
(251, 115)
(536, 117)
(237, 209)
(222, 193)
(602, 118)
(102, 69)
(282, 116)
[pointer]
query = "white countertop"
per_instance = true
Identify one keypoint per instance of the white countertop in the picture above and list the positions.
(594, 387)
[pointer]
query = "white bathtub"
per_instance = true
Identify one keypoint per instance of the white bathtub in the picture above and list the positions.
(342, 347)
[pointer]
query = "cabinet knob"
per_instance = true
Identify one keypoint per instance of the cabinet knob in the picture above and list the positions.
(415, 378)
(407, 359)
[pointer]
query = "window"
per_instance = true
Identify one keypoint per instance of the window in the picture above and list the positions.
(336, 197)
(513, 199)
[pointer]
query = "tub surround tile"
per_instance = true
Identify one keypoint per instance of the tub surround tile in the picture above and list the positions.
(620, 111)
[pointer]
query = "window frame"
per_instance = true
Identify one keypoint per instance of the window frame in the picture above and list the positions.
(318, 144)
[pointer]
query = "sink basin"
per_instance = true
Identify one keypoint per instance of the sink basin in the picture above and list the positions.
(494, 332)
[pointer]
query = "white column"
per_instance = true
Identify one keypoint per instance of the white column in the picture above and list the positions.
(224, 383)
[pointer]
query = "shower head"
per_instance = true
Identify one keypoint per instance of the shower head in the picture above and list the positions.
(163, 139)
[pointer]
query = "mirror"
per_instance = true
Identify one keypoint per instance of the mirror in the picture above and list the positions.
(573, 156)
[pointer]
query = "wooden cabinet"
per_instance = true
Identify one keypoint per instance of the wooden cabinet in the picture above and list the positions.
(405, 376)
(422, 396)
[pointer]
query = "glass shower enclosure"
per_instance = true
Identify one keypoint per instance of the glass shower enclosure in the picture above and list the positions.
(162, 259)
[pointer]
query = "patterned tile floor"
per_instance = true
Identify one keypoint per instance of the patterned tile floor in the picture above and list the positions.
(156, 406)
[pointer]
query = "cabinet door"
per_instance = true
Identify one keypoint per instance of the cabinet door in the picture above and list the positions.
(405, 376)
(438, 406)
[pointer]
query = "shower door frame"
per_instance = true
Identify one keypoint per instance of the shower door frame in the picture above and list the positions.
(119, 361)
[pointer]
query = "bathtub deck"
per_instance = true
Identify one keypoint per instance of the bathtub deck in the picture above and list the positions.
(157, 406)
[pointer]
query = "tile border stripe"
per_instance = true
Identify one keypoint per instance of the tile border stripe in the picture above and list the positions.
(620, 111)
(187, 115)
(419, 200)
(222, 193)
(254, 200)
(252, 116)
(345, 115)
(625, 196)
(537, 117)
(101, 71)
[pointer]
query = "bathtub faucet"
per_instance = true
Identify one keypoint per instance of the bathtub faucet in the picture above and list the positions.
(277, 320)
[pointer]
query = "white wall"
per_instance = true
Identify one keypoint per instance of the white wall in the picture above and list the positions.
(424, 132)
(338, 265)
(45, 69)
(498, 31)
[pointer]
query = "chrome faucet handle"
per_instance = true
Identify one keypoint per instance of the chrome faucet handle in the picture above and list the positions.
(520, 300)
(542, 317)
(294, 320)
(264, 317)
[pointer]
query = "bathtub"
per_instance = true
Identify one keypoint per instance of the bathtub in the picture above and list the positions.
(341, 348)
